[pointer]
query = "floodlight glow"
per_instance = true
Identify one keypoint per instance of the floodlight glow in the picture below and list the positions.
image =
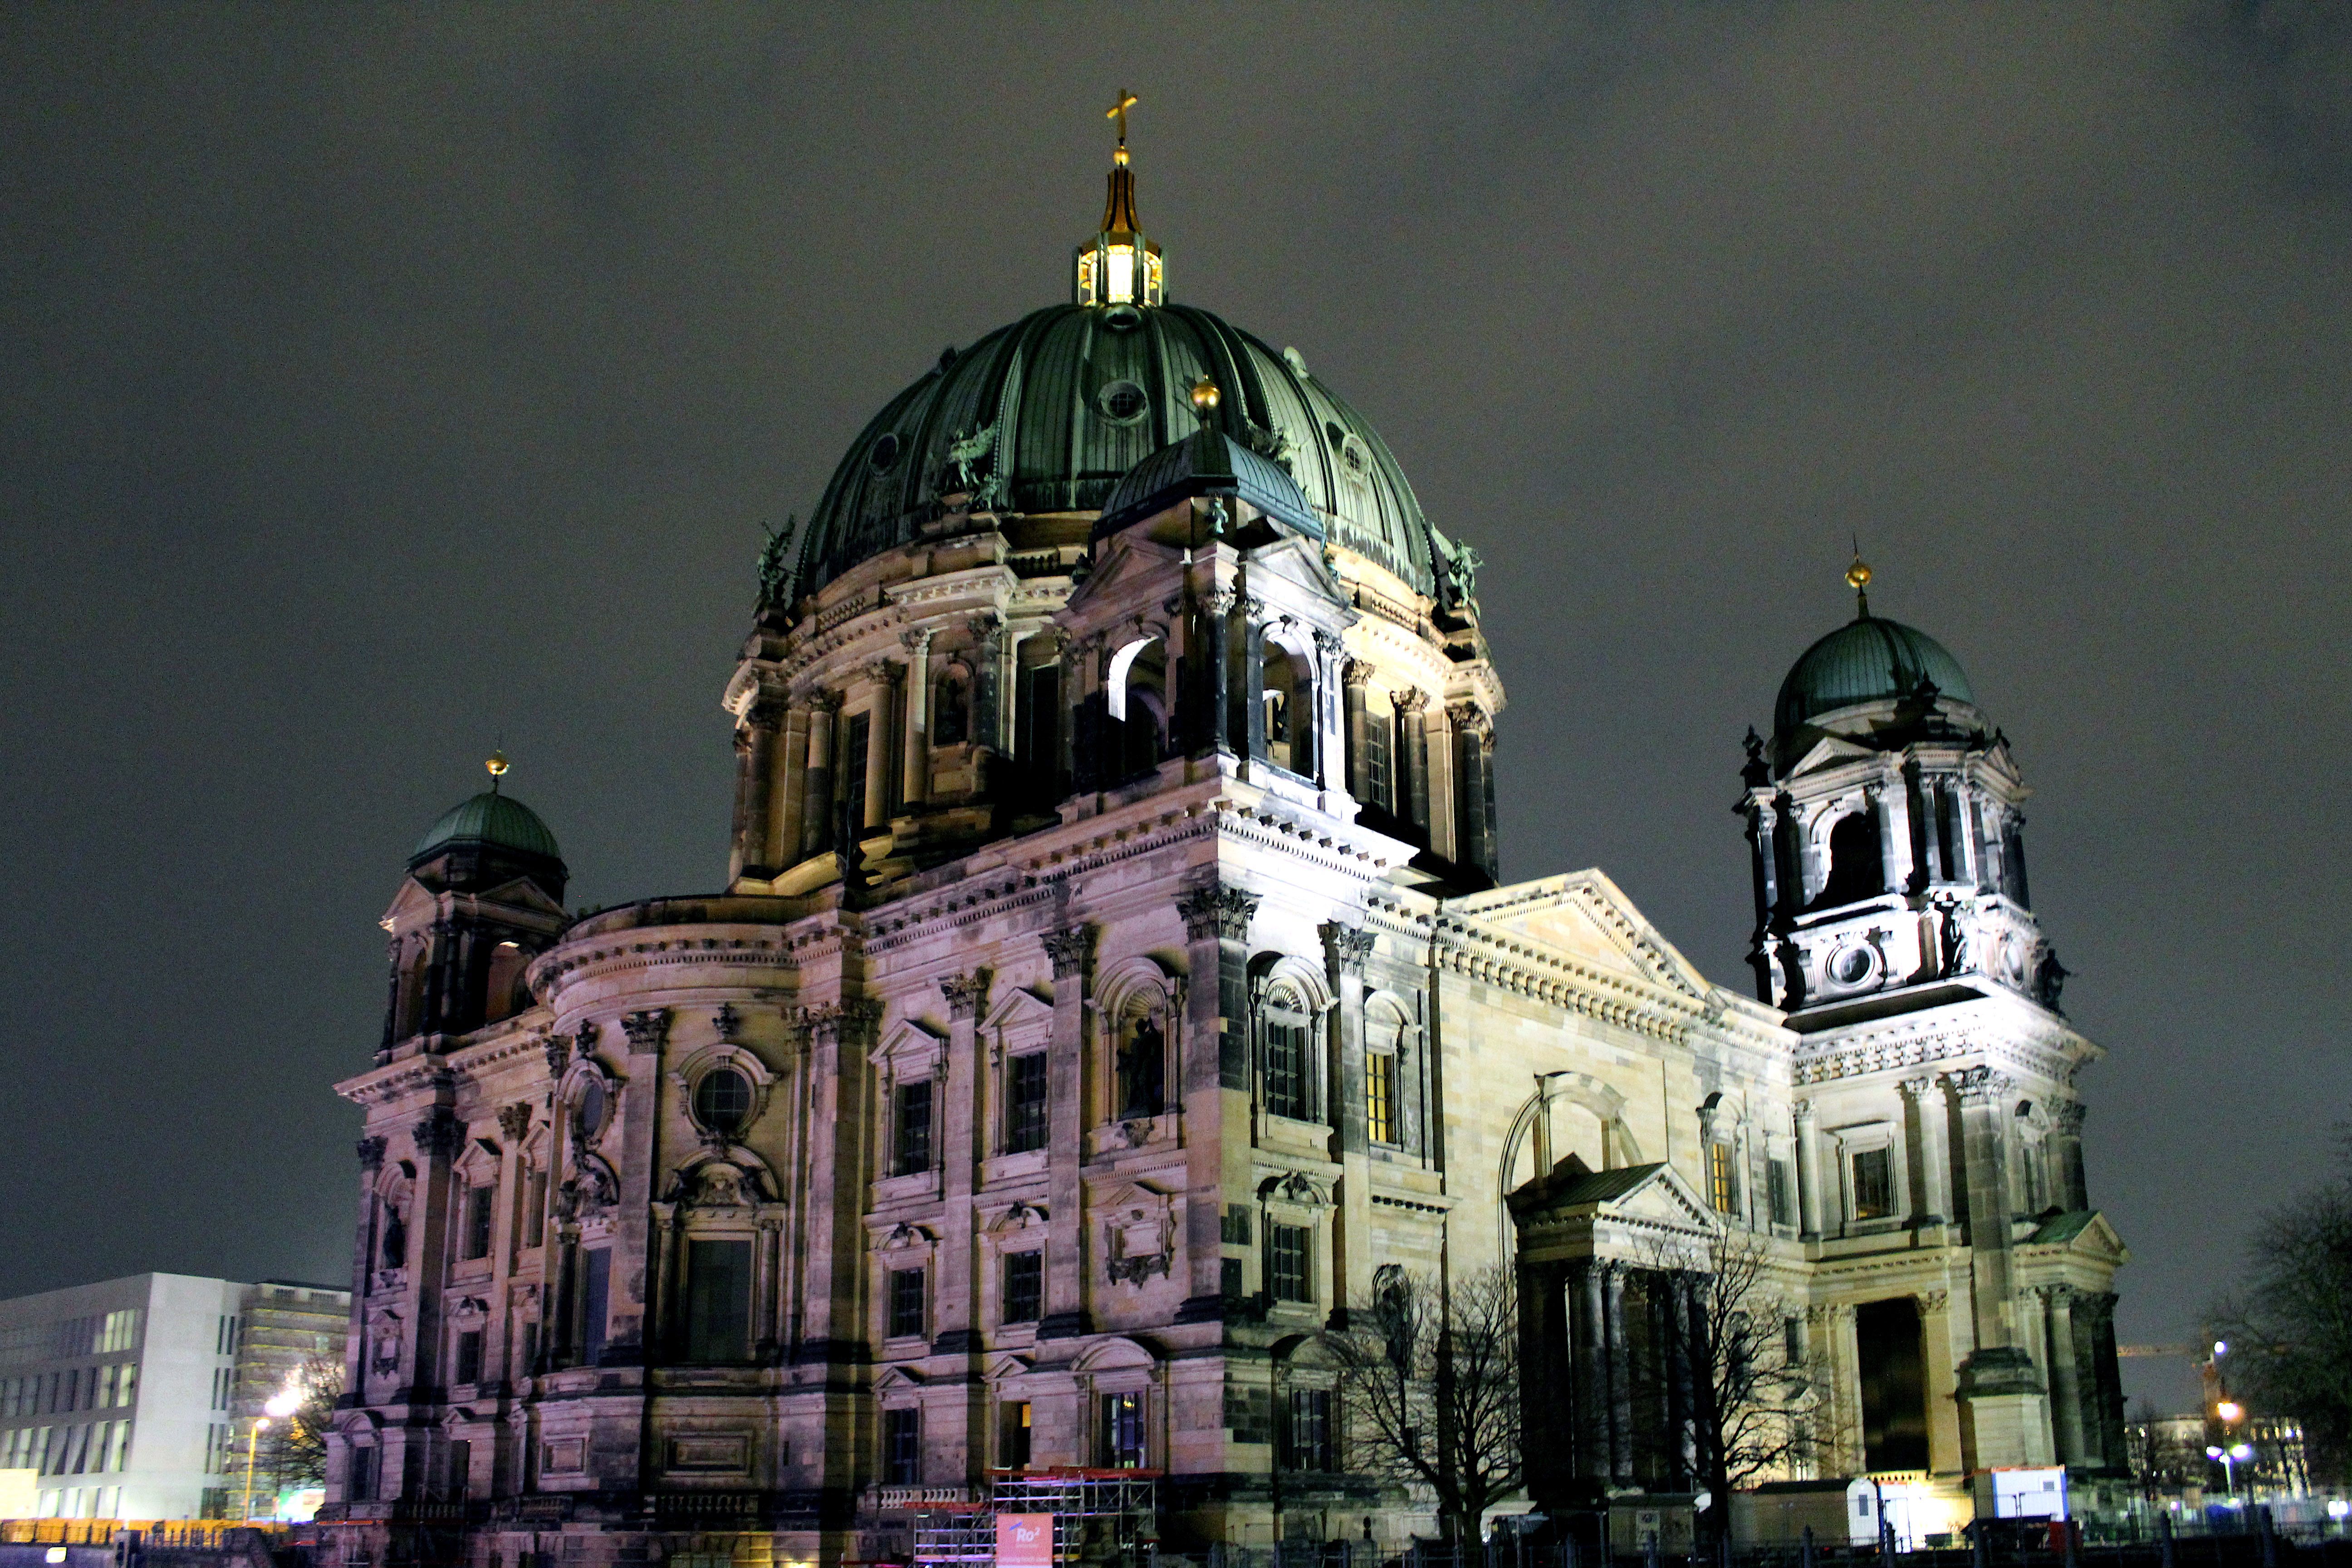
(2211, 1452)
(2337, 1507)
(2242, 1452)
(2221, 1347)
(285, 1404)
(2229, 1410)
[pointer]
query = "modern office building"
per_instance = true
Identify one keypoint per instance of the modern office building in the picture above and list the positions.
(132, 1398)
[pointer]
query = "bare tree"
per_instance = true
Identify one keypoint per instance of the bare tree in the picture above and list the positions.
(2289, 1328)
(1754, 1403)
(1431, 1393)
(299, 1455)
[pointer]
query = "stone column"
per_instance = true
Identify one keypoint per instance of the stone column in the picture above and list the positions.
(438, 1137)
(755, 753)
(2063, 1364)
(1213, 716)
(914, 769)
(840, 1121)
(1808, 1173)
(1331, 770)
(1355, 675)
(881, 755)
(816, 813)
(1253, 673)
(1411, 759)
(636, 1122)
(2066, 1154)
(1886, 802)
(1066, 1249)
(1445, 820)
(1346, 949)
(2005, 1420)
(1469, 731)
(665, 1333)
(1685, 1308)
(1620, 1378)
(959, 1287)
(1931, 1178)
(365, 1243)
(1943, 1416)
(1592, 1400)
(1213, 1065)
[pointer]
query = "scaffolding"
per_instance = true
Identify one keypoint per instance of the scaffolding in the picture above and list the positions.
(1099, 1517)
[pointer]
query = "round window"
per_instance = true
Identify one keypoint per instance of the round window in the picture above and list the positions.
(1352, 459)
(1122, 317)
(885, 454)
(722, 1100)
(588, 1111)
(1121, 403)
(1850, 965)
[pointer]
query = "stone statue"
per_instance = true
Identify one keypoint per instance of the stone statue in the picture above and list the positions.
(776, 564)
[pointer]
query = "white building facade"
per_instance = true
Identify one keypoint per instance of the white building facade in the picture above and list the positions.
(1112, 978)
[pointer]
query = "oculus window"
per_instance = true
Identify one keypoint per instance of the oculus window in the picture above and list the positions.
(722, 1100)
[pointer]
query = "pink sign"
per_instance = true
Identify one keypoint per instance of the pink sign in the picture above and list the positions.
(1024, 1541)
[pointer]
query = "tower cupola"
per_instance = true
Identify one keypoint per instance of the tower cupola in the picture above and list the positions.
(1118, 265)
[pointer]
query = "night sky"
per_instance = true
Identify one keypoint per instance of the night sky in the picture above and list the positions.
(385, 383)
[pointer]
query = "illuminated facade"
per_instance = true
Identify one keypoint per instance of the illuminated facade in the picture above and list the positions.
(1112, 977)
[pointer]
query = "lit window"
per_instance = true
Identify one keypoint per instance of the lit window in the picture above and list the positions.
(1122, 1431)
(1722, 1178)
(1379, 1096)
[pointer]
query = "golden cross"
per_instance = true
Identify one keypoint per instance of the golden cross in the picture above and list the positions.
(1119, 111)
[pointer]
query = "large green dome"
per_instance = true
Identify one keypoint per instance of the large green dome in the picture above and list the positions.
(490, 820)
(1867, 660)
(1067, 399)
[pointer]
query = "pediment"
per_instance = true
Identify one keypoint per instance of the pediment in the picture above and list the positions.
(1299, 561)
(1127, 559)
(1830, 751)
(898, 1379)
(1586, 916)
(1650, 1197)
(909, 1041)
(1019, 1009)
(2082, 1235)
(412, 903)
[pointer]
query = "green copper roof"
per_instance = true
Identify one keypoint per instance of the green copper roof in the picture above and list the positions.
(1049, 413)
(490, 820)
(1207, 462)
(1867, 660)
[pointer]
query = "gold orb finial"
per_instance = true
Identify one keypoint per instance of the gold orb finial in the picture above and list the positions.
(1205, 397)
(1857, 577)
(497, 764)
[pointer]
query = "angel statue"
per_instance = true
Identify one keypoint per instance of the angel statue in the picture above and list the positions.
(776, 564)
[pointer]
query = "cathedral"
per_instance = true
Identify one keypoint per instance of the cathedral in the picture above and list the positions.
(1112, 991)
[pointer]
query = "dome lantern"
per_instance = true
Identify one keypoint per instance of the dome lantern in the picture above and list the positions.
(1118, 265)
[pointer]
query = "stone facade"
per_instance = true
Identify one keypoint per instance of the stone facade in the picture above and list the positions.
(1110, 979)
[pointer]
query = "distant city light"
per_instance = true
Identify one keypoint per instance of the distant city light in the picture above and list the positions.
(2221, 1347)
(2229, 1410)
(2242, 1452)
(2337, 1507)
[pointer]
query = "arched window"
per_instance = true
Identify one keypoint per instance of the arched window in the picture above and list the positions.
(1856, 870)
(506, 994)
(1286, 693)
(1137, 702)
(1289, 1064)
(722, 1100)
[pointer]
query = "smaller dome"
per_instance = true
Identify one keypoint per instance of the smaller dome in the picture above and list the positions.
(490, 820)
(1867, 660)
(1207, 462)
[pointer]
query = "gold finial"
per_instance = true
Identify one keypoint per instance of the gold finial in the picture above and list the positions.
(1119, 111)
(1857, 577)
(497, 767)
(1205, 397)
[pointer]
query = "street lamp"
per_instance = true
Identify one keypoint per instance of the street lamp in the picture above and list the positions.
(2231, 1457)
(282, 1404)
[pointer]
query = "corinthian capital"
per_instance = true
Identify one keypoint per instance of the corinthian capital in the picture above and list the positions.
(1981, 1085)
(1069, 949)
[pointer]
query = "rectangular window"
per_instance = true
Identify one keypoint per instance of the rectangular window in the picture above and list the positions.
(530, 1351)
(469, 1356)
(1380, 1096)
(1024, 1103)
(1779, 1192)
(1378, 790)
(596, 1300)
(1723, 1178)
(1234, 1226)
(1012, 1436)
(534, 1218)
(718, 1301)
(854, 757)
(1229, 1277)
(906, 1302)
(913, 1150)
(1122, 1431)
(478, 1220)
(461, 1470)
(360, 1485)
(1792, 1340)
(902, 1447)
(1286, 1070)
(1873, 1183)
(1307, 1443)
(1287, 1274)
(1024, 1287)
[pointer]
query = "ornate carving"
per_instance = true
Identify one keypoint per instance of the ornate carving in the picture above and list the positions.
(822, 701)
(1215, 908)
(767, 714)
(439, 1133)
(1469, 718)
(514, 1120)
(985, 627)
(840, 1022)
(371, 1153)
(1357, 672)
(2066, 1115)
(916, 642)
(966, 994)
(1410, 700)
(1069, 949)
(727, 1021)
(1346, 946)
(882, 672)
(1919, 1088)
(649, 1030)
(776, 564)
(1328, 643)
(1981, 1085)
(1933, 1301)
(584, 1038)
(1136, 1270)
(1220, 602)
